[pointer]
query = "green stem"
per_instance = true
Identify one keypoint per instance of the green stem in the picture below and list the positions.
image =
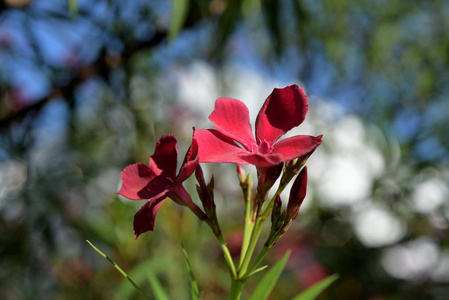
(228, 257)
(247, 230)
(269, 207)
(252, 245)
(236, 289)
(259, 258)
(257, 229)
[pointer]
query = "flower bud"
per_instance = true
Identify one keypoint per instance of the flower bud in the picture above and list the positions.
(277, 218)
(200, 176)
(206, 195)
(297, 194)
(211, 184)
(276, 209)
(269, 175)
(241, 173)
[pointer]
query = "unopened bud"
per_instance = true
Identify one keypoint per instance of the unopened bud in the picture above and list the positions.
(297, 194)
(240, 173)
(276, 208)
(249, 182)
(277, 222)
(211, 186)
(200, 176)
(269, 175)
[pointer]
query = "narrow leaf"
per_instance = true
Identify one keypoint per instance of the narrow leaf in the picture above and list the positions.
(227, 23)
(73, 7)
(157, 288)
(119, 269)
(268, 282)
(312, 292)
(257, 270)
(193, 285)
(178, 16)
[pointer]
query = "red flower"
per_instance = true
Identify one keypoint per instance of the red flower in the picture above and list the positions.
(233, 141)
(158, 180)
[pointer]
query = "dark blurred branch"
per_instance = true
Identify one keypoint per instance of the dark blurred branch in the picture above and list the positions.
(101, 67)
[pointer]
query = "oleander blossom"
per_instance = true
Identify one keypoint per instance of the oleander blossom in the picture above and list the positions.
(158, 180)
(234, 142)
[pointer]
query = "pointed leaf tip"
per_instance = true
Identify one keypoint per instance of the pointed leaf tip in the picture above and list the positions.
(266, 285)
(315, 290)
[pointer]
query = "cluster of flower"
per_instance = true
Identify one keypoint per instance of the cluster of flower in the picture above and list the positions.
(231, 142)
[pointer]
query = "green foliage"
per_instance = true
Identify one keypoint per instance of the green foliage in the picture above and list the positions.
(194, 291)
(158, 289)
(178, 17)
(314, 291)
(73, 7)
(269, 280)
(120, 270)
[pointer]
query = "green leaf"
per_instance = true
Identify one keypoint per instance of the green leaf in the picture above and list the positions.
(193, 285)
(119, 269)
(178, 16)
(272, 9)
(257, 270)
(268, 282)
(73, 7)
(316, 289)
(227, 23)
(139, 274)
(157, 288)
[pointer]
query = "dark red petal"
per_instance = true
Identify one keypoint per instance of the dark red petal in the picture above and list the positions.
(180, 196)
(231, 117)
(140, 182)
(297, 194)
(269, 175)
(296, 146)
(283, 110)
(165, 155)
(262, 160)
(190, 163)
(144, 218)
(214, 146)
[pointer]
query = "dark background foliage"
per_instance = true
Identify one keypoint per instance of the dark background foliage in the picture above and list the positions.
(88, 87)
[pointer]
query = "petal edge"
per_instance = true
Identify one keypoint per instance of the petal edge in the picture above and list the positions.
(283, 110)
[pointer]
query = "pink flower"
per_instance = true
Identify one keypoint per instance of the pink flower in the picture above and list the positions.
(233, 141)
(158, 180)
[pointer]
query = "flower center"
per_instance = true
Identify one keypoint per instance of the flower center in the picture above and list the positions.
(265, 147)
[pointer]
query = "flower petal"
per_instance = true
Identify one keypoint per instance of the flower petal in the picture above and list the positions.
(140, 182)
(231, 117)
(190, 163)
(214, 146)
(180, 195)
(262, 160)
(283, 110)
(165, 155)
(296, 146)
(144, 218)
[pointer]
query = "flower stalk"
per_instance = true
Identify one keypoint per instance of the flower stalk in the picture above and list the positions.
(228, 257)
(236, 289)
(246, 184)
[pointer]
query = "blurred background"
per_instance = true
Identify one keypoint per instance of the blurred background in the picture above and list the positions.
(88, 87)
